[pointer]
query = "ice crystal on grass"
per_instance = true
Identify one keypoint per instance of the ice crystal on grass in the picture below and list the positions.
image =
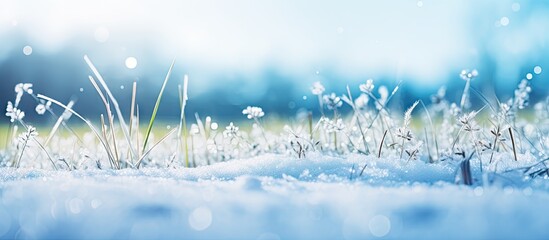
(468, 123)
(28, 135)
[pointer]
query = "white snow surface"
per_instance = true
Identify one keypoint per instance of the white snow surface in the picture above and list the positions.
(274, 197)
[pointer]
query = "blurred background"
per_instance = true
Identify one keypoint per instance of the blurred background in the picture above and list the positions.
(267, 53)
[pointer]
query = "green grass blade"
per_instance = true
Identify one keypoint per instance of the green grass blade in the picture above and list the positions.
(145, 154)
(156, 105)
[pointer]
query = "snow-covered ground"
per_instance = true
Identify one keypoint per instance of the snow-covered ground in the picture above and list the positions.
(274, 197)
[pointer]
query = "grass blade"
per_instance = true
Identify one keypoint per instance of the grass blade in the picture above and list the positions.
(90, 125)
(155, 110)
(513, 143)
(114, 103)
(145, 154)
(182, 121)
(58, 124)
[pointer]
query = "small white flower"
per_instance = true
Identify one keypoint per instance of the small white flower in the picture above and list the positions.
(332, 101)
(231, 131)
(253, 112)
(9, 108)
(14, 113)
(317, 88)
(361, 103)
(40, 109)
(468, 75)
(368, 87)
(23, 87)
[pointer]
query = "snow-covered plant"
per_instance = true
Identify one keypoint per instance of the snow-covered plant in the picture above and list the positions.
(404, 132)
(253, 112)
(299, 145)
(24, 139)
(20, 89)
(42, 107)
(467, 76)
(468, 123)
(256, 113)
(14, 113)
(361, 102)
(333, 126)
(231, 131)
(332, 102)
(359, 107)
(367, 87)
(522, 94)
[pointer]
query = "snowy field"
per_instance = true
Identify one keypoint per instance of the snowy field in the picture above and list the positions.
(275, 120)
(443, 170)
(273, 197)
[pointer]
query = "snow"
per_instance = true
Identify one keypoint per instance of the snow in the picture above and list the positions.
(274, 197)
